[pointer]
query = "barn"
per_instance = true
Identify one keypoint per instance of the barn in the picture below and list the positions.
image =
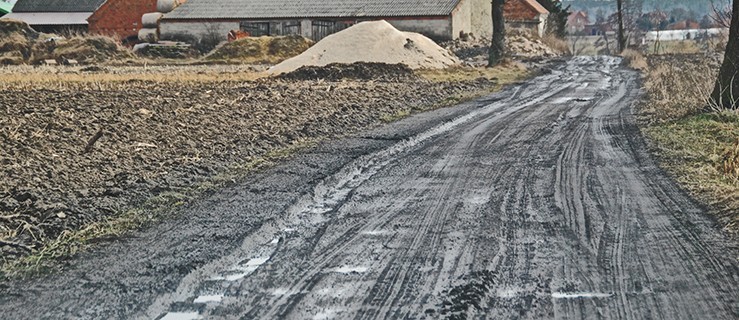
(526, 14)
(120, 18)
(315, 19)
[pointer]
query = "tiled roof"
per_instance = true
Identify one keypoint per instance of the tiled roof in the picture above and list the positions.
(263, 9)
(536, 6)
(57, 5)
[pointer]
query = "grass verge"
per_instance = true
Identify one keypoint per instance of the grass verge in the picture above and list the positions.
(700, 150)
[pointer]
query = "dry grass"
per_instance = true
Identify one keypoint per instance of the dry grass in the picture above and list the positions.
(634, 59)
(557, 44)
(59, 76)
(701, 150)
(677, 89)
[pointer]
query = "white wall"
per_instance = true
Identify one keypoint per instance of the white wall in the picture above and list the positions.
(437, 29)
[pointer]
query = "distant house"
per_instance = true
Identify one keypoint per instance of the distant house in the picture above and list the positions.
(109, 17)
(577, 22)
(684, 25)
(526, 14)
(315, 19)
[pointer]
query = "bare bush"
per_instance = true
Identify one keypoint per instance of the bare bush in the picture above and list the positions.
(634, 59)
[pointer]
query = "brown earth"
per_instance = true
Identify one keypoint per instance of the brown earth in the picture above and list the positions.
(158, 139)
(267, 50)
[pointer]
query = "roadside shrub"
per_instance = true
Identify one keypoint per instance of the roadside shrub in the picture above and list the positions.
(635, 60)
(556, 43)
(730, 164)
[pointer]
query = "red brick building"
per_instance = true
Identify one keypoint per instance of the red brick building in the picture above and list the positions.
(120, 18)
(526, 14)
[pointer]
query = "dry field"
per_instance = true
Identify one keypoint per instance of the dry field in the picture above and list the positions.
(90, 153)
(700, 149)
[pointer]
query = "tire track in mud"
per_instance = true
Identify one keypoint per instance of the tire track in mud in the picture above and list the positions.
(541, 203)
(567, 130)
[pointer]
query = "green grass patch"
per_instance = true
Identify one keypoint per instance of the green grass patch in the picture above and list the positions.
(701, 151)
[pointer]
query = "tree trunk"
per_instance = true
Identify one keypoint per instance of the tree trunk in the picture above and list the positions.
(497, 48)
(621, 36)
(726, 93)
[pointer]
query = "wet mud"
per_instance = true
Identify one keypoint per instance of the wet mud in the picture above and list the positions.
(538, 202)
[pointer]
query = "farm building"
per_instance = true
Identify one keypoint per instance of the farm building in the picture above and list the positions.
(109, 17)
(526, 14)
(577, 22)
(437, 19)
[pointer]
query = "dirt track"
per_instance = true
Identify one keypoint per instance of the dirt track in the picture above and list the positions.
(537, 202)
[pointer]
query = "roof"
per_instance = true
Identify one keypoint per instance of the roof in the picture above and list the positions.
(51, 18)
(57, 5)
(536, 6)
(267, 9)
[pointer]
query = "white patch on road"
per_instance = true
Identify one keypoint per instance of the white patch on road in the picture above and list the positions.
(181, 316)
(241, 271)
(208, 298)
(327, 314)
(578, 295)
(348, 270)
(376, 233)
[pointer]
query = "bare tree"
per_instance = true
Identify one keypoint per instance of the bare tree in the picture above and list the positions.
(621, 35)
(497, 47)
(726, 93)
(721, 13)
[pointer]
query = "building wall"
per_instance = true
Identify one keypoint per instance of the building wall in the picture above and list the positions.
(120, 17)
(197, 28)
(439, 29)
(472, 17)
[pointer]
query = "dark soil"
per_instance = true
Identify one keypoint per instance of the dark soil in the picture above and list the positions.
(355, 71)
(162, 138)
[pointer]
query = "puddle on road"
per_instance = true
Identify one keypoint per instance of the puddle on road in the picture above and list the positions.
(578, 295)
(181, 316)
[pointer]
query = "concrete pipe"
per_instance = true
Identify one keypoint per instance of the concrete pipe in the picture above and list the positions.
(151, 20)
(150, 35)
(166, 6)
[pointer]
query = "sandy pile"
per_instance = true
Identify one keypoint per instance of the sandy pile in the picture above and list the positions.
(375, 42)
(268, 50)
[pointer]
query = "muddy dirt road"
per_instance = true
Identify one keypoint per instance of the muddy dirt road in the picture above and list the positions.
(538, 202)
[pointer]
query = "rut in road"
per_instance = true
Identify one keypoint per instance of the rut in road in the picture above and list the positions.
(543, 204)
(538, 202)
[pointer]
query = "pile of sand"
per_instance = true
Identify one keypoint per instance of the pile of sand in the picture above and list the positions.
(519, 43)
(268, 50)
(373, 42)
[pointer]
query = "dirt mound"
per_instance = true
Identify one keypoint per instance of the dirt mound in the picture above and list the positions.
(20, 44)
(16, 39)
(375, 42)
(86, 50)
(354, 71)
(269, 50)
(519, 43)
